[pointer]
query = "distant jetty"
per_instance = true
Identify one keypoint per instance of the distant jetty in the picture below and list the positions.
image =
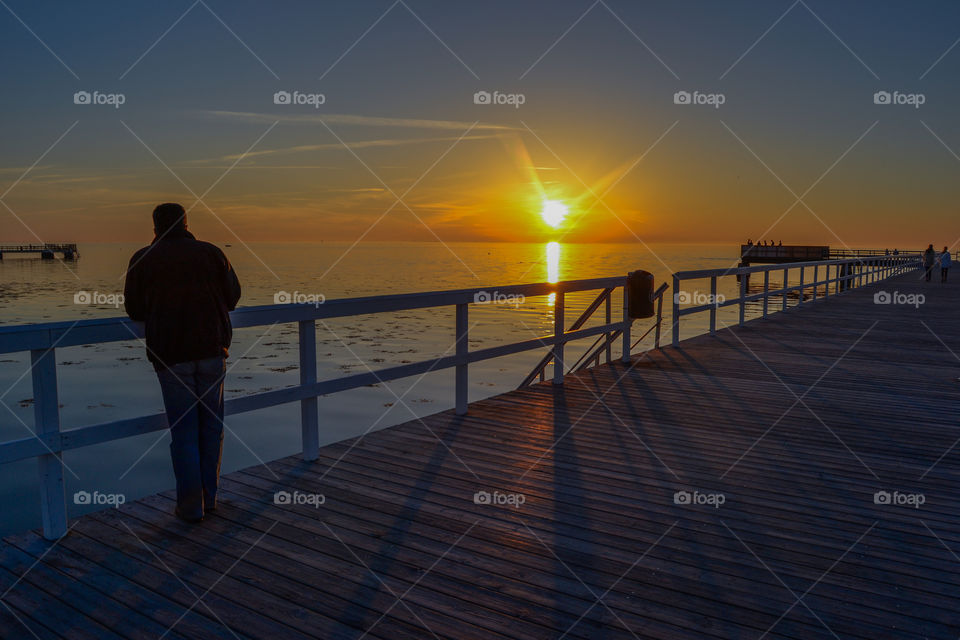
(47, 251)
(782, 253)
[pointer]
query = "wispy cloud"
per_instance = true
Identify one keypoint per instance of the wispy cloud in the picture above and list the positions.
(337, 146)
(367, 121)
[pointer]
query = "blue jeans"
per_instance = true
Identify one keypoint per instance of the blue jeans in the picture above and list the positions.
(193, 398)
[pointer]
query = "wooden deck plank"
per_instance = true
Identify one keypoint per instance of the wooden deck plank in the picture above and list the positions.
(601, 562)
(608, 533)
(225, 549)
(121, 621)
(38, 609)
(599, 549)
(609, 509)
(109, 585)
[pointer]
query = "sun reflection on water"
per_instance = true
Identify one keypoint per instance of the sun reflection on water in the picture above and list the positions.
(553, 267)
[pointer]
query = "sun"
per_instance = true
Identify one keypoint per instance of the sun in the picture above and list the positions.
(554, 212)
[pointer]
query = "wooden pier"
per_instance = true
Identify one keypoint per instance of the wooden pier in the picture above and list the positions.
(761, 482)
(47, 251)
(781, 254)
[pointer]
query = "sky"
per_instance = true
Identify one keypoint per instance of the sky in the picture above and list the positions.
(787, 134)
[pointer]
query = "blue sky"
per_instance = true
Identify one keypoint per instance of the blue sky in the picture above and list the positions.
(598, 81)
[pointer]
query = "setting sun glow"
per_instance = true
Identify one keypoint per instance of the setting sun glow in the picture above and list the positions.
(554, 212)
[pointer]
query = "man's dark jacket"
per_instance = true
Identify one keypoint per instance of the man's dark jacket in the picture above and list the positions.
(183, 290)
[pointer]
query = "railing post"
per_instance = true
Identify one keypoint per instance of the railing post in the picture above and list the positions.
(675, 316)
(463, 345)
(800, 299)
(309, 410)
(656, 332)
(46, 415)
(743, 297)
(766, 291)
(558, 335)
(816, 280)
(609, 318)
(786, 282)
(713, 309)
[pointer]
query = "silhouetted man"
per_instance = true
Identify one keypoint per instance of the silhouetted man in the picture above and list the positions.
(929, 258)
(183, 290)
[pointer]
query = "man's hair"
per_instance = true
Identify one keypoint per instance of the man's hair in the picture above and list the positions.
(169, 215)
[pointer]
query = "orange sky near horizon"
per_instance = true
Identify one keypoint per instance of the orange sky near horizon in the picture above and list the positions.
(487, 189)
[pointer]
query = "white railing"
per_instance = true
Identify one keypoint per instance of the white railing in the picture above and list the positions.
(603, 344)
(42, 340)
(846, 274)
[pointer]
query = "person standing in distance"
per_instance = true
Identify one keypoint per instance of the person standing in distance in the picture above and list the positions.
(183, 290)
(929, 258)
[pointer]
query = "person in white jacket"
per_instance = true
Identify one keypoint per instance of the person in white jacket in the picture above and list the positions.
(944, 261)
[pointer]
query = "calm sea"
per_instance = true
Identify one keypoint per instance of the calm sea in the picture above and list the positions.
(101, 383)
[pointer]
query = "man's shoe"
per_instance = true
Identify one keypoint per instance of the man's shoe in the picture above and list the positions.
(191, 520)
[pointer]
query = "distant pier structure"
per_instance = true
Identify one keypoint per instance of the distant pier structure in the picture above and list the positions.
(47, 251)
(770, 254)
(782, 254)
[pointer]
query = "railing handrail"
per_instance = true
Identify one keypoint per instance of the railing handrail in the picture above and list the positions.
(848, 273)
(732, 271)
(49, 440)
(44, 245)
(26, 337)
